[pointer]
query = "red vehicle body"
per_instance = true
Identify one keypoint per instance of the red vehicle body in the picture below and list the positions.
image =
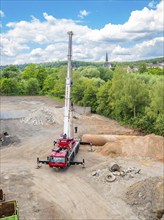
(63, 153)
(58, 159)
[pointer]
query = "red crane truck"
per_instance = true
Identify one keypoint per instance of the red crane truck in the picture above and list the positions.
(65, 148)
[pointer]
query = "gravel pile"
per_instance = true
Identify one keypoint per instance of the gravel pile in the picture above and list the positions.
(114, 172)
(147, 198)
(9, 140)
(44, 116)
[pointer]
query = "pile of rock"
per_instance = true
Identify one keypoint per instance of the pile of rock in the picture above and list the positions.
(113, 172)
(44, 116)
(147, 198)
(6, 139)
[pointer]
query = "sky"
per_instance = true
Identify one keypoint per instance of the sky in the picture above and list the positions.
(36, 31)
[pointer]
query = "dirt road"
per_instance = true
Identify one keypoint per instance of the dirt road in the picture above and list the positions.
(46, 193)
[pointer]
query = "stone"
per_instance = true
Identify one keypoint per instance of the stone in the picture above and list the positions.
(114, 167)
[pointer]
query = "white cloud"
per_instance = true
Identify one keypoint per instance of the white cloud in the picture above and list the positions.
(10, 47)
(49, 18)
(145, 50)
(83, 13)
(2, 14)
(152, 4)
(151, 48)
(42, 41)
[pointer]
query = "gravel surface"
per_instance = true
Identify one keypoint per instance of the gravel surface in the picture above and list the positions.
(75, 193)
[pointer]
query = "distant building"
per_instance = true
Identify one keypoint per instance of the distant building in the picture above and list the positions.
(148, 65)
(107, 64)
(129, 69)
(158, 65)
(132, 69)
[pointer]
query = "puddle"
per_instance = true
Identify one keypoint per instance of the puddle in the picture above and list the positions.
(14, 115)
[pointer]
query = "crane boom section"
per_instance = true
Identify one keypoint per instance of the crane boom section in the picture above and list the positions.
(67, 119)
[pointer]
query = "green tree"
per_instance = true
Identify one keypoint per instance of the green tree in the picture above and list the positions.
(130, 96)
(105, 73)
(30, 71)
(103, 99)
(159, 125)
(77, 92)
(155, 71)
(41, 75)
(136, 95)
(11, 72)
(155, 111)
(49, 84)
(58, 90)
(90, 72)
(90, 91)
(22, 87)
(142, 68)
(9, 86)
(156, 99)
(90, 98)
(59, 86)
(32, 87)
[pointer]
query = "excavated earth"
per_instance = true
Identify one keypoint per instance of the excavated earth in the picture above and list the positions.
(33, 123)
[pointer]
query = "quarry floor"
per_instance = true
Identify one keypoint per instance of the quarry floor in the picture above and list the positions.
(47, 194)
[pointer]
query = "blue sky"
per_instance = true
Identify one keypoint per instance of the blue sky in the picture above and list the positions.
(100, 12)
(37, 30)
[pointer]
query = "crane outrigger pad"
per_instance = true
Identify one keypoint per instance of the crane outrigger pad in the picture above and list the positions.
(78, 163)
(42, 161)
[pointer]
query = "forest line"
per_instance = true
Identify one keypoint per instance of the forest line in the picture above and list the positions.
(135, 98)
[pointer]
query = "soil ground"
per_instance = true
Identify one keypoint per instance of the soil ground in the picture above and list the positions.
(47, 194)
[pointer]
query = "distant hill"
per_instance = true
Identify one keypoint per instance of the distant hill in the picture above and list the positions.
(77, 64)
(154, 61)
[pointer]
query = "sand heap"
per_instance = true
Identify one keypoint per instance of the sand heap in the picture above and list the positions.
(144, 146)
(44, 116)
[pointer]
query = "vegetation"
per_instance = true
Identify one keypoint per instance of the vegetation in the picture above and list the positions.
(134, 98)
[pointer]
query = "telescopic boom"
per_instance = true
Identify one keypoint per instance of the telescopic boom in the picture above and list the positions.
(67, 119)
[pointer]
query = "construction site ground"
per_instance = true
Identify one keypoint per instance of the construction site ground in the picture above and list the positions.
(33, 123)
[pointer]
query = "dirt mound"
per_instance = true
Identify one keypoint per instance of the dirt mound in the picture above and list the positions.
(144, 146)
(147, 198)
(10, 140)
(6, 139)
(44, 116)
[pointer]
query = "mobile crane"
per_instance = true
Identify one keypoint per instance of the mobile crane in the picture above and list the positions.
(65, 148)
